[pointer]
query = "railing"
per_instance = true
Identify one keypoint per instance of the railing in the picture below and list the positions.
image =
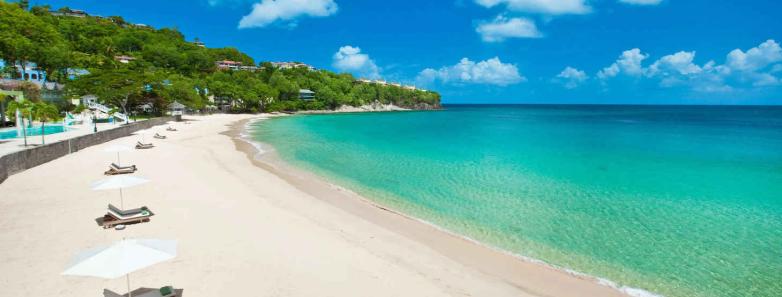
(105, 109)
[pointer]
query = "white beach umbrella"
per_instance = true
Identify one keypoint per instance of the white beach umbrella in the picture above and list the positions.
(118, 182)
(121, 258)
(117, 148)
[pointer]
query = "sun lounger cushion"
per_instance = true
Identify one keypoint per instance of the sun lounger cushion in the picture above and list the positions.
(128, 211)
(126, 215)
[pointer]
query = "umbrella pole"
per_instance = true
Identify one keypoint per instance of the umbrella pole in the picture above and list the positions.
(118, 162)
(121, 202)
(127, 278)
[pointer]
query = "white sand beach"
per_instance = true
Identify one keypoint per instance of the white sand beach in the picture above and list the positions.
(244, 228)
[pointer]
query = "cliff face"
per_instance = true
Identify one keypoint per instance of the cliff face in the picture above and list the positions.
(370, 107)
(375, 107)
(425, 106)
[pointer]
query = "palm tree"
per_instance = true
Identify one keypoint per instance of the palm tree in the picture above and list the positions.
(25, 108)
(2, 109)
(43, 112)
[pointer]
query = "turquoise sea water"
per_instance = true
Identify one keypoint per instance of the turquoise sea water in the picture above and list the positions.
(679, 201)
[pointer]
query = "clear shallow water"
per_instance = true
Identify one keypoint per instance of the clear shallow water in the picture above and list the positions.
(34, 131)
(679, 201)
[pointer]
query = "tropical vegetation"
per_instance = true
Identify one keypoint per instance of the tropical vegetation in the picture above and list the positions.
(81, 52)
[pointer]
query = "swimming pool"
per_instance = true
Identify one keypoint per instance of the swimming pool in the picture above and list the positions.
(33, 131)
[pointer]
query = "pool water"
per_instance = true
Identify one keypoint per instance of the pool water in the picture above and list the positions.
(33, 131)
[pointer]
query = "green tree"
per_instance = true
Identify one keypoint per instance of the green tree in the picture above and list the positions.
(182, 89)
(3, 98)
(286, 89)
(113, 86)
(44, 112)
(24, 4)
(24, 37)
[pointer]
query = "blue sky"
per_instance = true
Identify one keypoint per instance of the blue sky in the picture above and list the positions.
(503, 51)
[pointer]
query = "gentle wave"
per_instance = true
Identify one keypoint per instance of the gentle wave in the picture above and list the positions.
(659, 204)
(635, 292)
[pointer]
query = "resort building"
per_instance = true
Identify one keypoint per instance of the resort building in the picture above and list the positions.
(233, 65)
(67, 12)
(199, 43)
(228, 65)
(292, 65)
(384, 83)
(305, 94)
(124, 59)
(176, 108)
(30, 72)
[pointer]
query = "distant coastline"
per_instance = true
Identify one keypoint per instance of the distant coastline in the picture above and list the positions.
(374, 107)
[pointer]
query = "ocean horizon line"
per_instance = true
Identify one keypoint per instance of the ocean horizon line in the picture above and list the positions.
(446, 104)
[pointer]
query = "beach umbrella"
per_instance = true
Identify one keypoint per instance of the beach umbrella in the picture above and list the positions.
(118, 182)
(121, 258)
(117, 148)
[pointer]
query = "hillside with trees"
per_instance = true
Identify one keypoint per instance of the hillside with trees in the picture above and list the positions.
(81, 53)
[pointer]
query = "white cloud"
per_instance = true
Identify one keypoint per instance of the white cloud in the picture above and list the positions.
(502, 28)
(641, 2)
(680, 63)
(572, 77)
(756, 58)
(491, 71)
(269, 11)
(756, 67)
(350, 59)
(628, 63)
(549, 7)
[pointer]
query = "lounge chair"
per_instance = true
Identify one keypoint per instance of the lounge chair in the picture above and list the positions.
(127, 212)
(115, 166)
(143, 146)
(158, 136)
(116, 216)
(167, 291)
(114, 171)
(170, 129)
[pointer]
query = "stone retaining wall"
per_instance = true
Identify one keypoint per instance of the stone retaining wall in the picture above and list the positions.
(22, 160)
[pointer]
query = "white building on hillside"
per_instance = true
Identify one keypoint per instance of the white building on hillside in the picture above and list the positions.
(291, 65)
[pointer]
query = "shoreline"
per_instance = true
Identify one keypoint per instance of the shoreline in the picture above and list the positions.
(375, 107)
(530, 275)
(245, 229)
